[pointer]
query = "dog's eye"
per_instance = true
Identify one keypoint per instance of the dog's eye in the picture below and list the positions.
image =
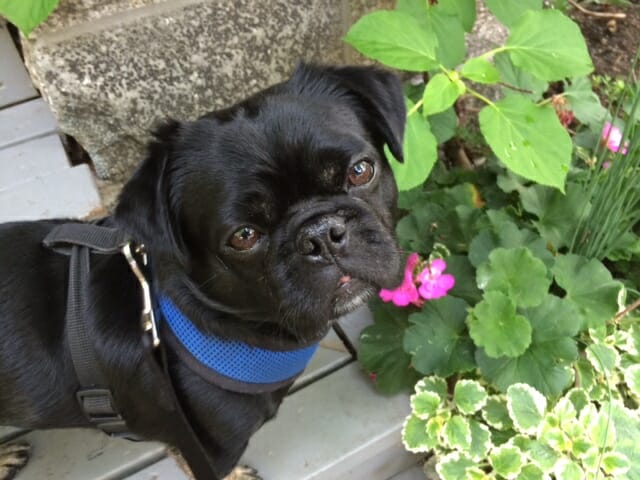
(244, 238)
(360, 173)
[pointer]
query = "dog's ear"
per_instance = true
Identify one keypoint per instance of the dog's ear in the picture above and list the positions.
(144, 208)
(379, 92)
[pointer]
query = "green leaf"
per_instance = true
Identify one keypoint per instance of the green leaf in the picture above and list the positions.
(415, 437)
(425, 404)
(545, 363)
(528, 139)
(579, 398)
(526, 407)
(568, 470)
(505, 233)
(589, 287)
(495, 413)
(518, 78)
(480, 70)
(395, 39)
(585, 104)
(604, 358)
(464, 273)
(469, 396)
(549, 45)
(445, 22)
(441, 93)
(27, 14)
(516, 273)
(443, 125)
(457, 433)
(600, 428)
(632, 379)
(449, 31)
(436, 341)
(494, 325)
(558, 214)
(509, 11)
(543, 455)
(453, 466)
(507, 460)
(464, 9)
(531, 472)
(433, 384)
(480, 440)
(381, 350)
(420, 153)
(627, 425)
(615, 463)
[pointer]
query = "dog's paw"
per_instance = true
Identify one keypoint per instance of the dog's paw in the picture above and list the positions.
(13, 456)
(242, 472)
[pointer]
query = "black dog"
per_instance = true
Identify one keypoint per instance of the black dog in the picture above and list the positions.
(263, 222)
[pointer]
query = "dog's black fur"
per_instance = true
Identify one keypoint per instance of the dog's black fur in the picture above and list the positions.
(277, 162)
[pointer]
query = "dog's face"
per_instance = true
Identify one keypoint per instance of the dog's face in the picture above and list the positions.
(281, 206)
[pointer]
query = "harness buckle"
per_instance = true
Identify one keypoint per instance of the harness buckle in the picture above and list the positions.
(149, 324)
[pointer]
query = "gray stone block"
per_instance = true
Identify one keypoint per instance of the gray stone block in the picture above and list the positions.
(15, 84)
(33, 158)
(84, 454)
(68, 193)
(25, 121)
(338, 428)
(113, 69)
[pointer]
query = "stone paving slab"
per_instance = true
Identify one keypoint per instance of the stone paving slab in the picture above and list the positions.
(25, 121)
(68, 193)
(15, 84)
(337, 428)
(85, 454)
(36, 157)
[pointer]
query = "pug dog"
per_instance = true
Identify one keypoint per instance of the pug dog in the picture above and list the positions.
(263, 223)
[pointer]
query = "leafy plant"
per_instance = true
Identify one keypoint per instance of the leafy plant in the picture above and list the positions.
(533, 350)
(27, 14)
(543, 46)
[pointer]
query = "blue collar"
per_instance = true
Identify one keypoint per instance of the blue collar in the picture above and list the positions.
(233, 365)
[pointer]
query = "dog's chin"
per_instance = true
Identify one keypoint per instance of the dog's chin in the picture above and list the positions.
(352, 295)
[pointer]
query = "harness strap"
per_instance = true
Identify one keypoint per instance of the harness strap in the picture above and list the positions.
(93, 396)
(98, 238)
(79, 240)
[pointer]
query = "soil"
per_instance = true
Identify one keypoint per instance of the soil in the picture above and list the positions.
(612, 42)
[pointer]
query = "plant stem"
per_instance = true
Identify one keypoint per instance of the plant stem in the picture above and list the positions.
(481, 97)
(493, 52)
(577, 6)
(415, 108)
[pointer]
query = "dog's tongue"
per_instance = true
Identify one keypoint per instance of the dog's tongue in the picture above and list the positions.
(344, 279)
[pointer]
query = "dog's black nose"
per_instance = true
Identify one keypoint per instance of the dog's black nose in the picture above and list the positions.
(323, 237)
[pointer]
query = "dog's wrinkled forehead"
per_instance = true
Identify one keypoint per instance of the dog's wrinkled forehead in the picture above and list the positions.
(295, 146)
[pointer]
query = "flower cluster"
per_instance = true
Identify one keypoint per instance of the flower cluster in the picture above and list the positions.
(430, 283)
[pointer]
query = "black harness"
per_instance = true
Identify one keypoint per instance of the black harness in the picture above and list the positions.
(79, 241)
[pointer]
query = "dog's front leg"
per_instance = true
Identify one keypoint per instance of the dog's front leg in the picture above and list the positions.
(13, 457)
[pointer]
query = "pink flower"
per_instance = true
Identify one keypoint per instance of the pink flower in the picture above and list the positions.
(612, 137)
(407, 292)
(435, 284)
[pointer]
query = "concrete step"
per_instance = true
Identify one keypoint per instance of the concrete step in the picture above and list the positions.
(83, 454)
(67, 193)
(15, 84)
(337, 428)
(25, 121)
(33, 158)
